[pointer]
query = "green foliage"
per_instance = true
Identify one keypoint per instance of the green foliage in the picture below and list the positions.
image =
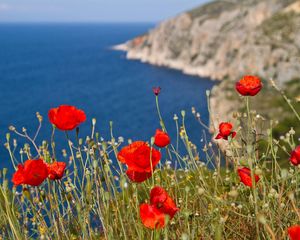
(96, 200)
(212, 10)
(281, 25)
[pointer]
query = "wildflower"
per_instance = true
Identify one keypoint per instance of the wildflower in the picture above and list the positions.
(295, 156)
(249, 85)
(225, 130)
(151, 216)
(294, 232)
(33, 173)
(140, 160)
(66, 117)
(245, 176)
(156, 90)
(161, 206)
(138, 176)
(161, 138)
(56, 170)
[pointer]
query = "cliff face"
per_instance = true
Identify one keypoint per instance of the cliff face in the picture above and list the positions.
(227, 39)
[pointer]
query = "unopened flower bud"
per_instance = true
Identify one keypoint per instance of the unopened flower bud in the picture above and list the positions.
(12, 128)
(261, 218)
(94, 121)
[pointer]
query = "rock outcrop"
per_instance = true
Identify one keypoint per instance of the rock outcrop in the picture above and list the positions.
(224, 40)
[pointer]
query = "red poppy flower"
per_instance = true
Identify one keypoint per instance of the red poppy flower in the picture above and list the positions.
(151, 216)
(156, 90)
(66, 117)
(56, 170)
(249, 85)
(245, 176)
(138, 176)
(33, 173)
(225, 130)
(294, 232)
(295, 156)
(161, 139)
(161, 204)
(137, 158)
(160, 198)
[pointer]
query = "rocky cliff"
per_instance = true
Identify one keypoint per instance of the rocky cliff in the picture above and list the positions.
(224, 40)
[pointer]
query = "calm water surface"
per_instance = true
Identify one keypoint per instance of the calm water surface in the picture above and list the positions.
(43, 66)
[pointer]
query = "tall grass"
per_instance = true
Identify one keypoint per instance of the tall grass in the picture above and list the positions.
(95, 199)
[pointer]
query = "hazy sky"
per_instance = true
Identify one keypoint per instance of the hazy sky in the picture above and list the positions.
(92, 10)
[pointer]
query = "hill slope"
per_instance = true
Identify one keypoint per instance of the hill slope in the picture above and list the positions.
(226, 39)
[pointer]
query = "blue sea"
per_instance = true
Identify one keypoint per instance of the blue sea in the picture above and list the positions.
(46, 65)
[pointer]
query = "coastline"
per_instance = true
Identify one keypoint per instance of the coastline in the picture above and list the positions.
(175, 64)
(220, 107)
(223, 42)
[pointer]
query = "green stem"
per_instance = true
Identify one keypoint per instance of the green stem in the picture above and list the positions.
(251, 158)
(162, 124)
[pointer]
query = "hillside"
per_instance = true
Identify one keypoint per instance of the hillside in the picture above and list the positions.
(224, 40)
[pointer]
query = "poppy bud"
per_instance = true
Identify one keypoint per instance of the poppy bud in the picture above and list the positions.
(26, 193)
(156, 90)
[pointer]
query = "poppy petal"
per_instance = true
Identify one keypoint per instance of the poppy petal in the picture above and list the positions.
(294, 232)
(161, 199)
(33, 173)
(245, 176)
(138, 176)
(139, 157)
(158, 195)
(249, 85)
(151, 217)
(161, 139)
(66, 117)
(295, 156)
(56, 170)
